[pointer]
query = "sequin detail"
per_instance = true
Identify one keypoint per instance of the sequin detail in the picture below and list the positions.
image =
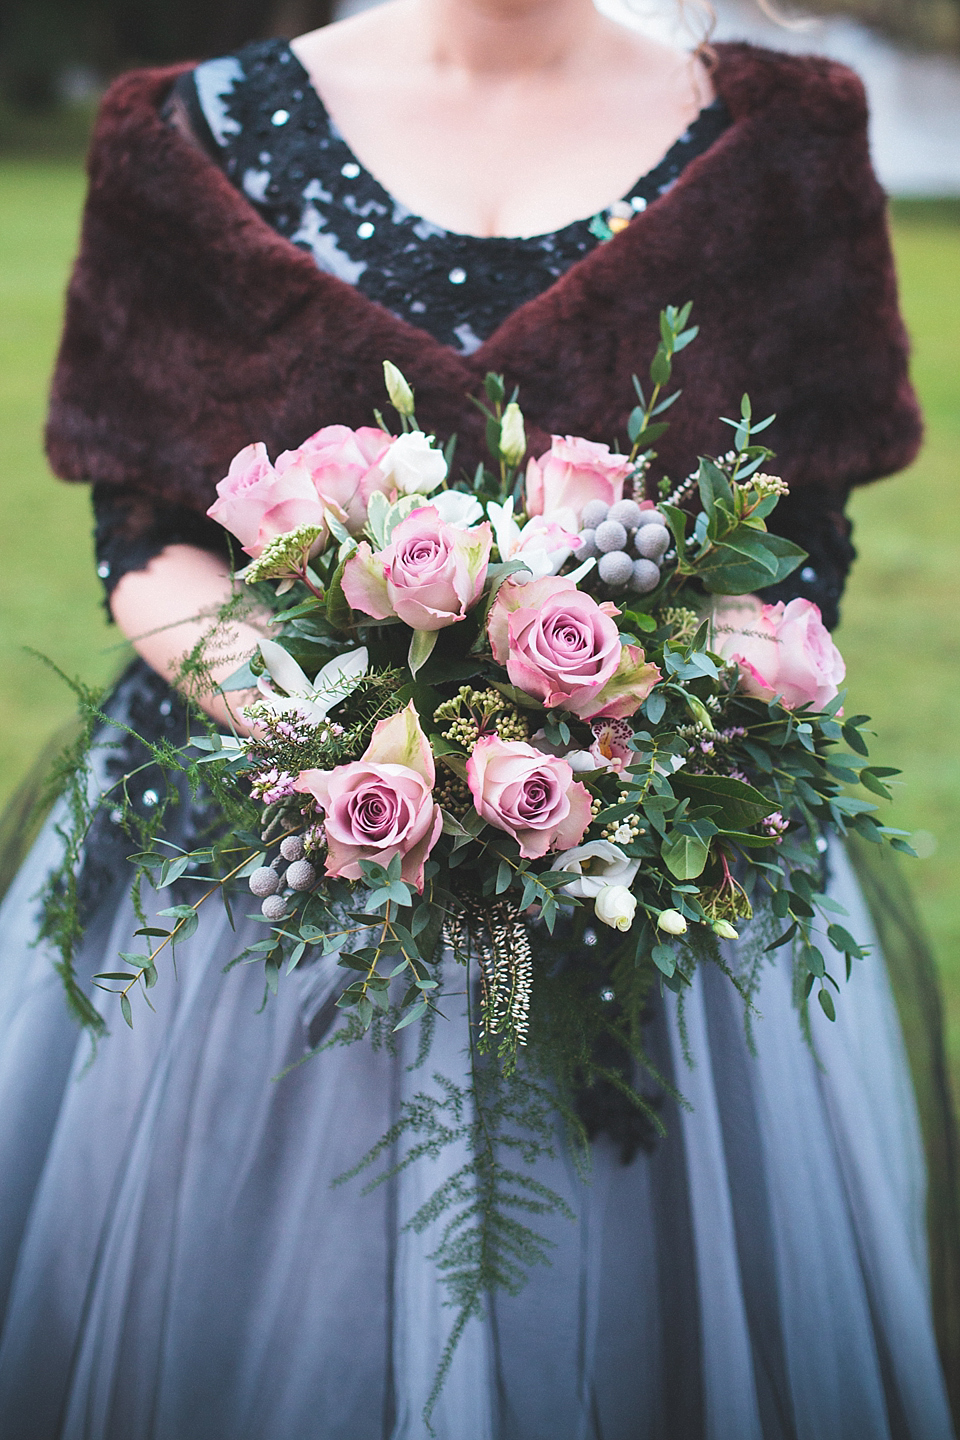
(311, 188)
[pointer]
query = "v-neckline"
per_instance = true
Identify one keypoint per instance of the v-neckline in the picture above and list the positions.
(387, 198)
(473, 365)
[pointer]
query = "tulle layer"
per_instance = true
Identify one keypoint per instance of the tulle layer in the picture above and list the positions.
(176, 1264)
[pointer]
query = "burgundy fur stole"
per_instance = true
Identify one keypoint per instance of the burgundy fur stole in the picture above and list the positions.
(192, 328)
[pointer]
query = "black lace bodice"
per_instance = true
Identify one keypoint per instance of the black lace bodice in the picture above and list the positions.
(260, 119)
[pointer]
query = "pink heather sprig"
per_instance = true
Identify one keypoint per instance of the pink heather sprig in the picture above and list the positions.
(273, 785)
(775, 826)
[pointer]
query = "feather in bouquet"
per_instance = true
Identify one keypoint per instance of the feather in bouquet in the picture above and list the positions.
(513, 714)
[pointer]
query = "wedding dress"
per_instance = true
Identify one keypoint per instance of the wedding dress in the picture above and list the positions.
(176, 1262)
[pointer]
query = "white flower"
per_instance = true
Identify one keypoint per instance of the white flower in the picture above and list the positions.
(725, 930)
(672, 922)
(543, 545)
(456, 508)
(596, 865)
(338, 678)
(513, 440)
(580, 761)
(616, 906)
(401, 396)
(413, 464)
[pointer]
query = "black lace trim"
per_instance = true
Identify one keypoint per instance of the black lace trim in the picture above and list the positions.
(261, 119)
(130, 528)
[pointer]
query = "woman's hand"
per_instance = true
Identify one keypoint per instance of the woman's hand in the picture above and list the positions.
(168, 608)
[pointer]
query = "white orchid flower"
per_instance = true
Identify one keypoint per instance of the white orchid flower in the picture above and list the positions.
(456, 508)
(596, 866)
(543, 545)
(312, 699)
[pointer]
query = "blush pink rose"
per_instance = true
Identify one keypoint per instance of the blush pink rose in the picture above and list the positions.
(344, 466)
(381, 805)
(257, 503)
(573, 472)
(783, 650)
(531, 796)
(561, 647)
(429, 575)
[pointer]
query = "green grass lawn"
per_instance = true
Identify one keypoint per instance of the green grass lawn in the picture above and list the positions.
(901, 628)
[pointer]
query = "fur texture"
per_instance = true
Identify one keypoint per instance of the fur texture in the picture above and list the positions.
(192, 328)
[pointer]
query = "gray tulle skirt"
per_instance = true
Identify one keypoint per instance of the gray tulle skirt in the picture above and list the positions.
(175, 1263)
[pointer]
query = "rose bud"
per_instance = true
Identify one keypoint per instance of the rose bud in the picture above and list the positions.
(672, 922)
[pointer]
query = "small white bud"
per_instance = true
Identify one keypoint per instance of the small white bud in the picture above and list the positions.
(725, 930)
(616, 906)
(513, 438)
(401, 395)
(672, 922)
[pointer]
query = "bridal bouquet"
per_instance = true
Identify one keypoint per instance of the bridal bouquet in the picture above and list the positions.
(535, 718)
(487, 705)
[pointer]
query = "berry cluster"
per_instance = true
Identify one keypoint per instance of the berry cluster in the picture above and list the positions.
(629, 544)
(291, 871)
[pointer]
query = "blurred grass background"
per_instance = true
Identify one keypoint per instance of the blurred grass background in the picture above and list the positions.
(901, 625)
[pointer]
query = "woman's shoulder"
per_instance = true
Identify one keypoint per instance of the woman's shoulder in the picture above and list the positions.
(824, 93)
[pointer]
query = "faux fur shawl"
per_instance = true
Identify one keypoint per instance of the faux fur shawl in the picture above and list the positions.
(193, 328)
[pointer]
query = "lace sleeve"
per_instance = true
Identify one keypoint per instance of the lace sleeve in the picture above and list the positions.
(130, 528)
(814, 518)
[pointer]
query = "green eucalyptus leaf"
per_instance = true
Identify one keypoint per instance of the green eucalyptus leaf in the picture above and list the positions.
(685, 856)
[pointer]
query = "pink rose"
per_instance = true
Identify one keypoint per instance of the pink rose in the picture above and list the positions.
(560, 646)
(531, 796)
(782, 650)
(257, 503)
(429, 575)
(381, 805)
(573, 472)
(344, 467)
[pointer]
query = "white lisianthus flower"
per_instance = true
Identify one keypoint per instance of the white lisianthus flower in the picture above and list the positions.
(595, 865)
(456, 508)
(725, 930)
(616, 906)
(671, 922)
(513, 440)
(415, 467)
(401, 395)
(543, 545)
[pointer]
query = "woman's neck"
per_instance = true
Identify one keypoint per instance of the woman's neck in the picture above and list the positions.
(497, 41)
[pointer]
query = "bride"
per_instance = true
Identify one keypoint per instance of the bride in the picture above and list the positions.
(458, 186)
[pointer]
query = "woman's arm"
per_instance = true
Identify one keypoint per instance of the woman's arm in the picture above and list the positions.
(167, 608)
